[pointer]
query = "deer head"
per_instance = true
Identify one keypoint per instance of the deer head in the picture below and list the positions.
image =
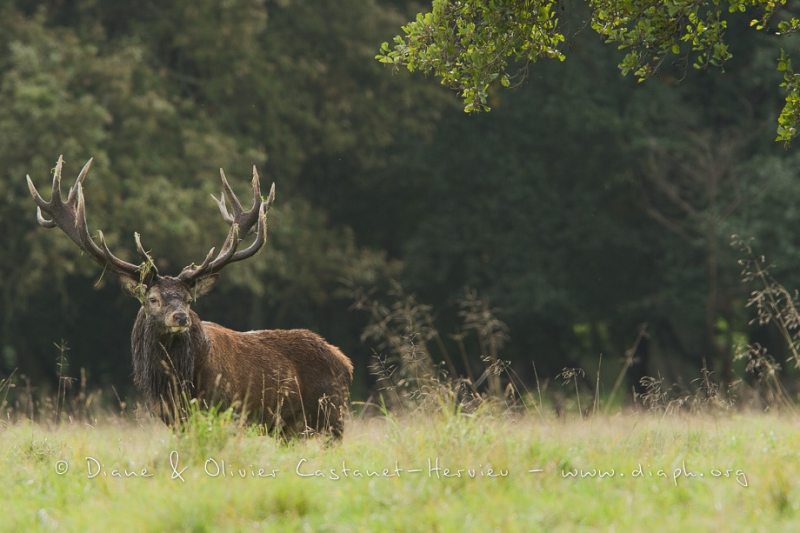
(166, 300)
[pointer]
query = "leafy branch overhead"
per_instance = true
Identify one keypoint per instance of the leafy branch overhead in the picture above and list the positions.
(473, 45)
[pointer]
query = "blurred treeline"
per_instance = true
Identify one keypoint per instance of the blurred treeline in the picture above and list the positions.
(582, 207)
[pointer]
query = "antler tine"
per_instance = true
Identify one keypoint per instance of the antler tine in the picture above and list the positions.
(261, 232)
(223, 208)
(55, 195)
(237, 214)
(230, 254)
(209, 266)
(79, 182)
(85, 240)
(261, 237)
(40, 202)
(43, 221)
(271, 196)
(227, 251)
(144, 254)
(102, 253)
(192, 270)
(241, 223)
(70, 217)
(207, 260)
(117, 263)
(139, 248)
(256, 184)
(226, 187)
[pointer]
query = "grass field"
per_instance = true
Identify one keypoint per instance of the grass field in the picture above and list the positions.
(732, 472)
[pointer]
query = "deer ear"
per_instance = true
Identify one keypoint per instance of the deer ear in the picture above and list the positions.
(132, 286)
(203, 285)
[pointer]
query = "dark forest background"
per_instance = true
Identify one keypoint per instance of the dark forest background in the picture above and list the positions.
(583, 207)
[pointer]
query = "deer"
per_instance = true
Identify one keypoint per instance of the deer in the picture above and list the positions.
(291, 381)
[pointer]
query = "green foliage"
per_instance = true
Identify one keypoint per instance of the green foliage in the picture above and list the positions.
(206, 430)
(789, 119)
(651, 31)
(469, 44)
(472, 45)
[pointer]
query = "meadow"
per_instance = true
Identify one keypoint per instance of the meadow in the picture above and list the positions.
(436, 471)
(426, 451)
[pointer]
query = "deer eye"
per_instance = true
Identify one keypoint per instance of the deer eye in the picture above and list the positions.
(153, 300)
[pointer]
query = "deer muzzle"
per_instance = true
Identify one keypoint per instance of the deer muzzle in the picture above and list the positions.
(178, 322)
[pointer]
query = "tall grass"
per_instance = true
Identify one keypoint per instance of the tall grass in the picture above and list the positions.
(419, 369)
(414, 368)
(415, 371)
(430, 407)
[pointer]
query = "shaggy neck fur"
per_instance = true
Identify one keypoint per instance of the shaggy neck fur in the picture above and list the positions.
(164, 362)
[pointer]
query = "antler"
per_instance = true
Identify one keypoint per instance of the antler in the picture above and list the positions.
(70, 216)
(242, 222)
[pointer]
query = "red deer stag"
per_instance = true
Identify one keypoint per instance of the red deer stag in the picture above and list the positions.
(291, 380)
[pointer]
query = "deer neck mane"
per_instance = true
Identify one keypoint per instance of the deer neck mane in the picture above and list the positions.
(163, 361)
